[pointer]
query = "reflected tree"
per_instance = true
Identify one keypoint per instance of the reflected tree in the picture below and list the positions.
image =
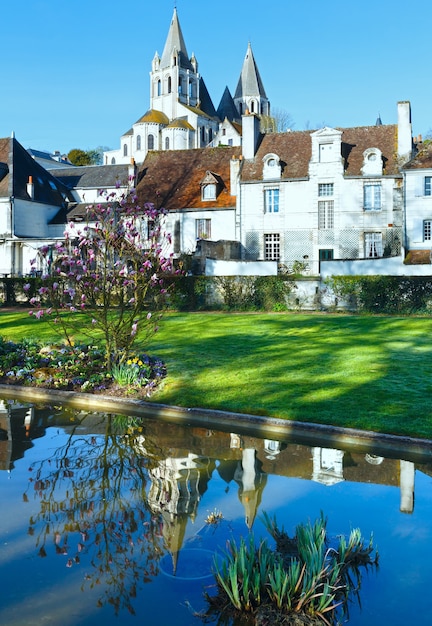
(94, 510)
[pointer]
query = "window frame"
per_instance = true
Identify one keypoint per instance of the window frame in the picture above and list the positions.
(373, 203)
(374, 244)
(428, 185)
(272, 245)
(325, 214)
(203, 228)
(208, 192)
(271, 199)
(325, 189)
(427, 230)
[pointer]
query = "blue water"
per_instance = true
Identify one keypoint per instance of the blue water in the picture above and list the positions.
(101, 527)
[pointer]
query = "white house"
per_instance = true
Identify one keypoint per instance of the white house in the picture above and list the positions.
(307, 197)
(418, 206)
(33, 209)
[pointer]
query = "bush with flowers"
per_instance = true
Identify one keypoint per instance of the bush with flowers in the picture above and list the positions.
(111, 270)
(112, 266)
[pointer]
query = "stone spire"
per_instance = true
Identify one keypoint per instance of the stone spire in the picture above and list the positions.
(250, 93)
(175, 46)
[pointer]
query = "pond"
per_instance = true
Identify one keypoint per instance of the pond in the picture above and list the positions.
(106, 520)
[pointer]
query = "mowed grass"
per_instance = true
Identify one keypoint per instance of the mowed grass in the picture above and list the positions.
(371, 373)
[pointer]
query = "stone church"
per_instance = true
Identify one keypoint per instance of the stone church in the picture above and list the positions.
(181, 114)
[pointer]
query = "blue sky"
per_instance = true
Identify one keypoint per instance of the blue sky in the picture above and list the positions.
(76, 73)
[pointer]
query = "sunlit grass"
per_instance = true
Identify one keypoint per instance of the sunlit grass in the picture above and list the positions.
(362, 372)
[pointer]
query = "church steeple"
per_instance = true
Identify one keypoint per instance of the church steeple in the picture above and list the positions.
(175, 47)
(250, 93)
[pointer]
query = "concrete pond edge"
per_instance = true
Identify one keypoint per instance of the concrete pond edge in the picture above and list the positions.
(392, 446)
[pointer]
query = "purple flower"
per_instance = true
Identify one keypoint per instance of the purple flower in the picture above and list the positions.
(26, 287)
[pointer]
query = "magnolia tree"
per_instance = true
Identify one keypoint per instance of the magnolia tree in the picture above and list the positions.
(107, 277)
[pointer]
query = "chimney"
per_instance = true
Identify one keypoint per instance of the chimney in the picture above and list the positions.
(405, 141)
(30, 188)
(250, 134)
(234, 175)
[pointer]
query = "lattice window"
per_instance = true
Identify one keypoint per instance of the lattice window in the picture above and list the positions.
(272, 247)
(427, 230)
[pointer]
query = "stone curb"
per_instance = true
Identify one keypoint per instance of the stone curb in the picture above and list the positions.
(392, 446)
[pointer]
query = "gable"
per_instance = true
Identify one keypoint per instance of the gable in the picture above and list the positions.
(21, 166)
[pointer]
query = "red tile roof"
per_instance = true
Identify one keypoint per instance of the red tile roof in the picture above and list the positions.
(172, 178)
(294, 148)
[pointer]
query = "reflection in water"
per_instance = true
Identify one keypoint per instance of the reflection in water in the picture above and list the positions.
(111, 496)
(92, 488)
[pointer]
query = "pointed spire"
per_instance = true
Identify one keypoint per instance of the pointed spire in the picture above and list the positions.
(227, 108)
(378, 121)
(175, 44)
(250, 83)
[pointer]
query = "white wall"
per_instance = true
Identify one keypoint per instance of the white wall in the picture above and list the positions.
(372, 267)
(240, 268)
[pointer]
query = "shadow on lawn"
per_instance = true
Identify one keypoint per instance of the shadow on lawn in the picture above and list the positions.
(359, 372)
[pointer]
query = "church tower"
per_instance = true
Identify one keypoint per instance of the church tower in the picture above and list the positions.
(174, 77)
(250, 94)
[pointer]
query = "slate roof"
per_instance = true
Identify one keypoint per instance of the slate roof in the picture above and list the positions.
(422, 160)
(175, 40)
(93, 176)
(294, 149)
(227, 108)
(249, 83)
(172, 178)
(17, 165)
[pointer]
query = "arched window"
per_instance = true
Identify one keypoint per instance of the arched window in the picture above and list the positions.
(252, 106)
(113, 161)
(180, 86)
(159, 88)
(166, 143)
(150, 142)
(125, 149)
(138, 142)
(241, 108)
(210, 134)
(169, 84)
(190, 90)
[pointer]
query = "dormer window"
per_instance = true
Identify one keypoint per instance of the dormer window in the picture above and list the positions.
(209, 191)
(210, 186)
(372, 162)
(272, 168)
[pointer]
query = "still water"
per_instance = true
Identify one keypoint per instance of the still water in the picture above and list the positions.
(107, 522)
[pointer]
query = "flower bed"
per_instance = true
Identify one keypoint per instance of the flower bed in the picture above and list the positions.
(76, 368)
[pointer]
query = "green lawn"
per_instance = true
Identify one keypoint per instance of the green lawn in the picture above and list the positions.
(371, 373)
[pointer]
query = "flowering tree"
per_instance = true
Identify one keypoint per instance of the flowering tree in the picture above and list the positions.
(112, 266)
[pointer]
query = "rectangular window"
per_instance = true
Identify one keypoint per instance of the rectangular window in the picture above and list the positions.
(271, 200)
(325, 189)
(209, 192)
(203, 229)
(372, 197)
(272, 247)
(427, 230)
(373, 245)
(326, 214)
(428, 186)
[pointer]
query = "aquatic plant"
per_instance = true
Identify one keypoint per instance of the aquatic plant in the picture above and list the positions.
(304, 575)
